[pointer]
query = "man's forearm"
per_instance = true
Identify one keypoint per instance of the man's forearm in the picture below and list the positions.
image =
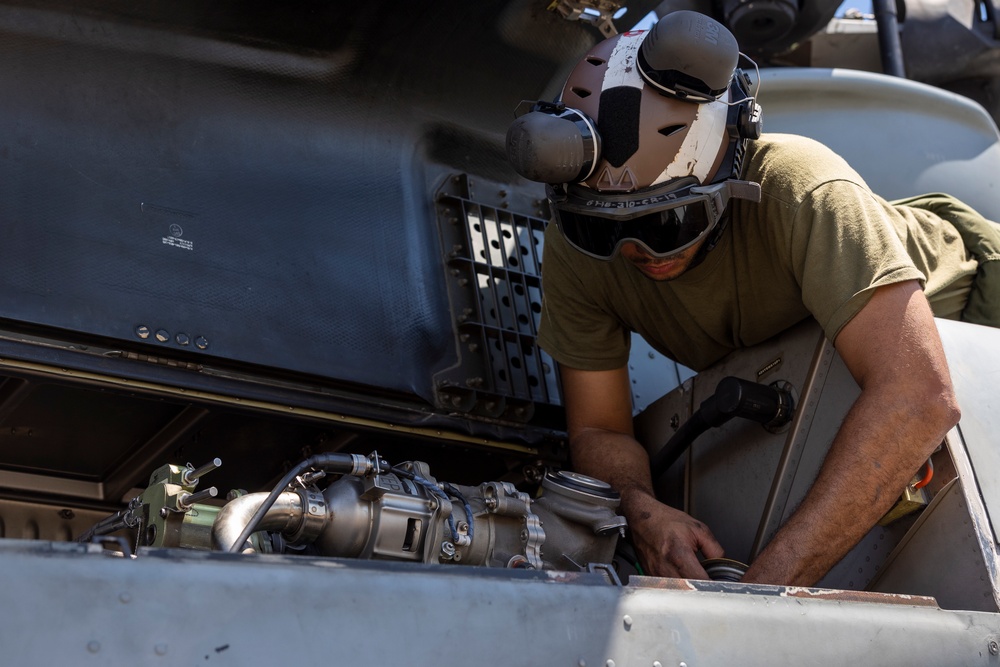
(882, 442)
(617, 459)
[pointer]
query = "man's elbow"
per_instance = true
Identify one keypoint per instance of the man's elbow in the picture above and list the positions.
(938, 406)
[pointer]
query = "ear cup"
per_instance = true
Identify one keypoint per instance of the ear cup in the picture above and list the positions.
(558, 146)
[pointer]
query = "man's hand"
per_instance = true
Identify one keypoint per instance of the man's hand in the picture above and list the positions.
(668, 540)
(602, 445)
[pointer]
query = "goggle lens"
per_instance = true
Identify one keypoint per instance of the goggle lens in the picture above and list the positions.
(662, 232)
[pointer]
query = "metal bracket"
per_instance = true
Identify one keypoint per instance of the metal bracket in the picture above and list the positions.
(598, 13)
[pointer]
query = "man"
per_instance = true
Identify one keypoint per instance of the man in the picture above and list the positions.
(653, 162)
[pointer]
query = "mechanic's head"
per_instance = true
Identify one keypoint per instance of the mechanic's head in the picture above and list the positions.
(644, 147)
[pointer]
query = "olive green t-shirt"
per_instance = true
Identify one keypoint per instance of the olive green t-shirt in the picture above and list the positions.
(818, 244)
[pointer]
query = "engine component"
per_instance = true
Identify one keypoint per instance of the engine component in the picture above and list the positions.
(169, 513)
(405, 514)
(724, 569)
(373, 511)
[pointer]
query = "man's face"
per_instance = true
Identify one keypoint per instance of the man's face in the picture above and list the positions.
(660, 268)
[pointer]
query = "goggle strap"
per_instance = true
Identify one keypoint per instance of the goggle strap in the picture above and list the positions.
(744, 190)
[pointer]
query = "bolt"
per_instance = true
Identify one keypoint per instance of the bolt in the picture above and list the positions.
(994, 647)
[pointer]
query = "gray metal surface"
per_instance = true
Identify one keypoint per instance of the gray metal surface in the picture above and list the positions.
(904, 138)
(941, 558)
(182, 608)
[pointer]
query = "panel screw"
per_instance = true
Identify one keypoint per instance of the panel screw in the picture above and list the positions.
(994, 647)
(142, 331)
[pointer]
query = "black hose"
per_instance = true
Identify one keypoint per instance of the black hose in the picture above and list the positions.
(889, 45)
(733, 397)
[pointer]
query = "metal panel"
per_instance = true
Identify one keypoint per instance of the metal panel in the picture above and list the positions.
(974, 360)
(904, 138)
(941, 557)
(188, 608)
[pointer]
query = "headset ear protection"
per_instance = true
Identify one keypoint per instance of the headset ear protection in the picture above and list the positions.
(686, 55)
(553, 143)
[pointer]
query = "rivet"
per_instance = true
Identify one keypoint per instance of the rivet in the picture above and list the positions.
(609, 663)
(142, 331)
(160, 649)
(627, 621)
(93, 646)
(162, 335)
(125, 598)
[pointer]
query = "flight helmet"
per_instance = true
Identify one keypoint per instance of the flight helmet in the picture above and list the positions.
(646, 140)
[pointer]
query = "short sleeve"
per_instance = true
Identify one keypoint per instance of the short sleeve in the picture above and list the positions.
(844, 246)
(575, 329)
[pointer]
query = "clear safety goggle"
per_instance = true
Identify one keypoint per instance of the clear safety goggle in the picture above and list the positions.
(664, 221)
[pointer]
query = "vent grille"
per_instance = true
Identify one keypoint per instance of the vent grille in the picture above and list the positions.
(493, 241)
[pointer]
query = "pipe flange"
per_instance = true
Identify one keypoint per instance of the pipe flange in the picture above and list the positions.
(314, 517)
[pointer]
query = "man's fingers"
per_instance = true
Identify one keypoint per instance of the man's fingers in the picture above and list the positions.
(683, 558)
(710, 547)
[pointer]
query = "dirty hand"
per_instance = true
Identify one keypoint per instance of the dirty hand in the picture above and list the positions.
(667, 540)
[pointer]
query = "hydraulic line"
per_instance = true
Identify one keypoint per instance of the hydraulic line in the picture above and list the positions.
(733, 397)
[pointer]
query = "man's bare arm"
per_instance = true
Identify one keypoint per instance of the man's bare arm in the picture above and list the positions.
(602, 445)
(905, 408)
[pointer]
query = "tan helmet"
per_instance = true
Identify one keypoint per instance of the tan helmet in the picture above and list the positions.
(647, 138)
(642, 109)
